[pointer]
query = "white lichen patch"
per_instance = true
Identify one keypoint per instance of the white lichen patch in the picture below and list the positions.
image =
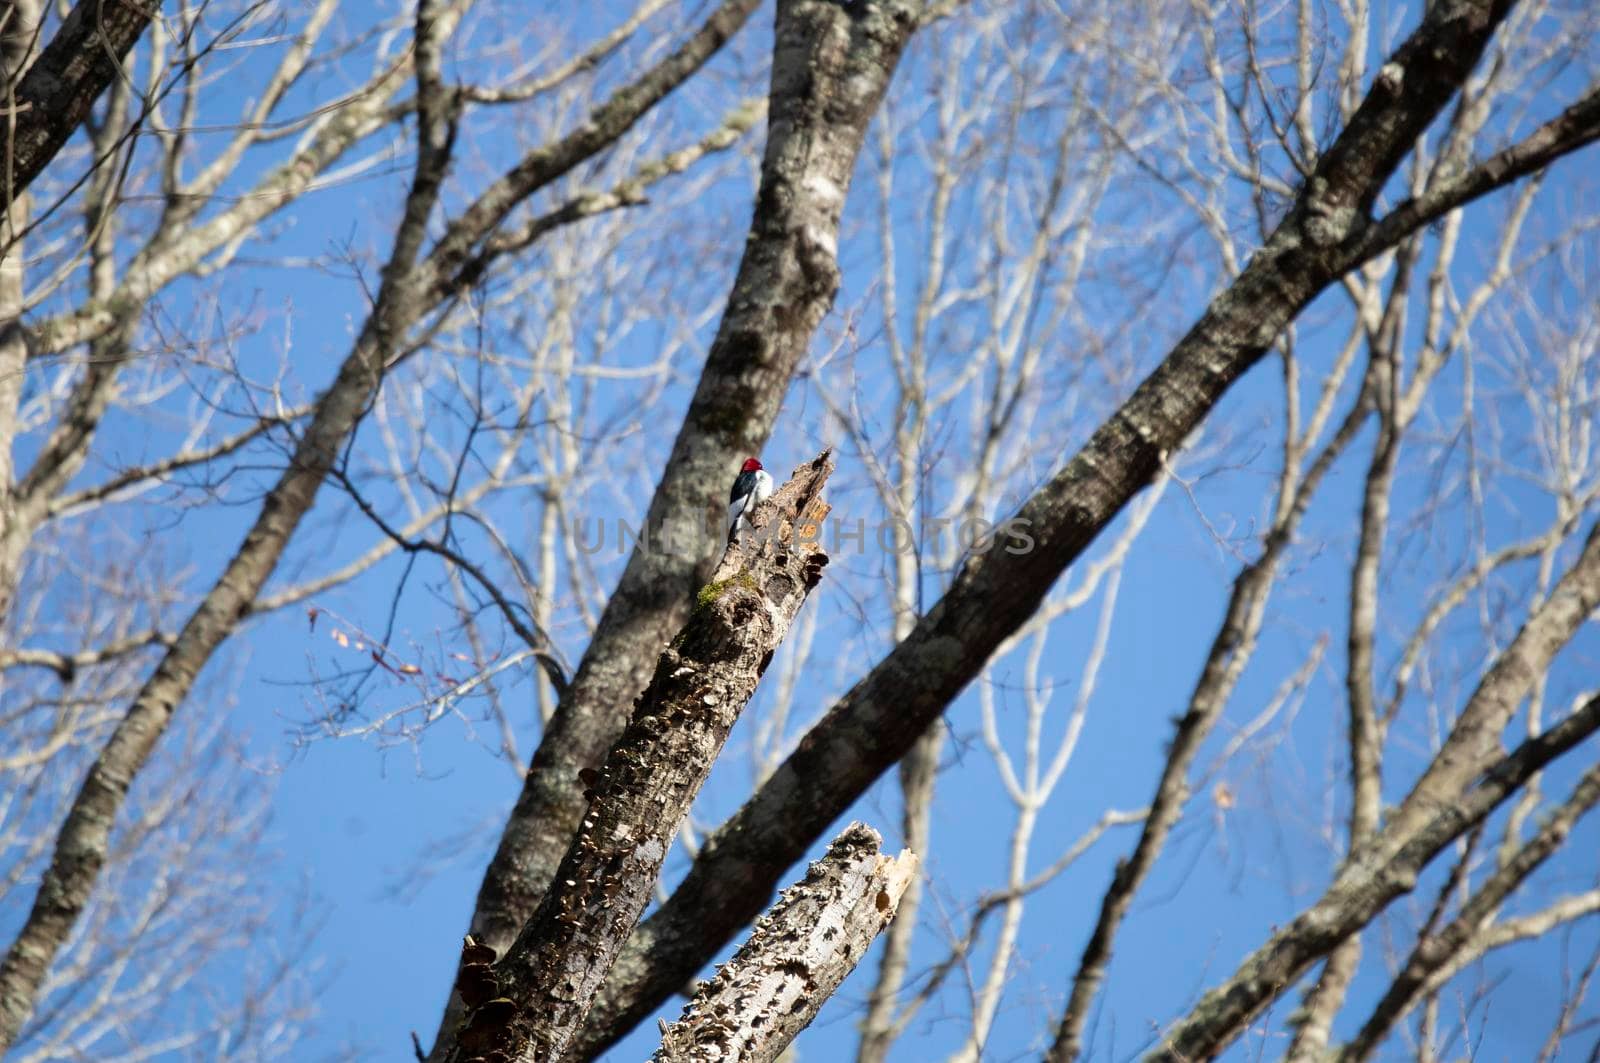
(825, 191)
(820, 238)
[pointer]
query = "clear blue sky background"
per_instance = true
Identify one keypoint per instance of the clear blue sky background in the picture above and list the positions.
(388, 842)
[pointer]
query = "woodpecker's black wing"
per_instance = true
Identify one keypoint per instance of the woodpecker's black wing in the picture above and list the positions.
(743, 484)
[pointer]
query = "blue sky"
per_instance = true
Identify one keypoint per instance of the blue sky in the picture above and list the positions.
(387, 838)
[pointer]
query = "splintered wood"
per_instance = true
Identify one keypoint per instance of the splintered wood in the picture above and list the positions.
(796, 956)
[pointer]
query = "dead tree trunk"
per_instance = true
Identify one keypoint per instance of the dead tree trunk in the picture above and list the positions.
(552, 973)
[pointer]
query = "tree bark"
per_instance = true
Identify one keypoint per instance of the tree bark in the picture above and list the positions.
(702, 681)
(796, 958)
(55, 96)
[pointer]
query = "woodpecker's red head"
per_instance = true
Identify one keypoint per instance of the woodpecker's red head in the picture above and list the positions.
(750, 465)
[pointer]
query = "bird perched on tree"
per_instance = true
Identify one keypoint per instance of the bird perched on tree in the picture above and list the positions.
(751, 486)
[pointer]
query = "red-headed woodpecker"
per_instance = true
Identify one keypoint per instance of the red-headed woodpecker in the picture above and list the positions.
(751, 486)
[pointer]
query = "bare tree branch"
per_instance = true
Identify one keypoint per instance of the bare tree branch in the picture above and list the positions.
(1364, 888)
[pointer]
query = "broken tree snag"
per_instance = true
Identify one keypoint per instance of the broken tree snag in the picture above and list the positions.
(542, 988)
(794, 513)
(794, 959)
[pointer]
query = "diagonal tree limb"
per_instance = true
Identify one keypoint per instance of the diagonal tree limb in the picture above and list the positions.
(1574, 128)
(550, 975)
(1475, 736)
(831, 66)
(1501, 933)
(796, 958)
(1436, 950)
(1363, 889)
(56, 94)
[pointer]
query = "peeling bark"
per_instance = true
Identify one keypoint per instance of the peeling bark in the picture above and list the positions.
(551, 974)
(796, 957)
